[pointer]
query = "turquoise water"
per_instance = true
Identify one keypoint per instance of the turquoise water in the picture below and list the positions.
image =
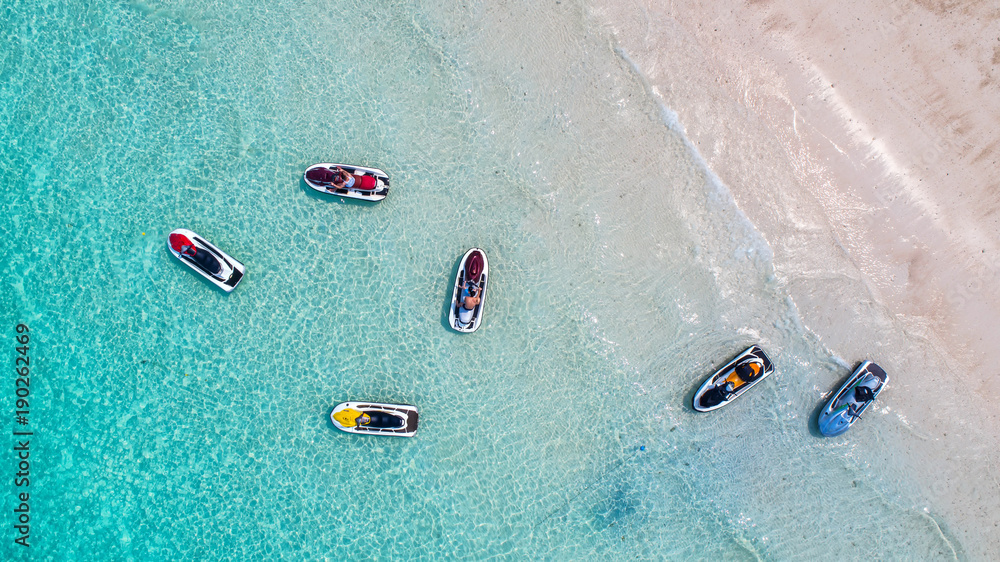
(173, 421)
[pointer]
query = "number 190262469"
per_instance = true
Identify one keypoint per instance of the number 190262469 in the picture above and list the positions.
(22, 435)
(22, 364)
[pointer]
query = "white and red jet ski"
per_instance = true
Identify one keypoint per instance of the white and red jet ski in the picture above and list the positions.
(345, 180)
(202, 256)
(471, 281)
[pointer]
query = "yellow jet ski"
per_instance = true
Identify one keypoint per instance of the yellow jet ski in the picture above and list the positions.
(373, 418)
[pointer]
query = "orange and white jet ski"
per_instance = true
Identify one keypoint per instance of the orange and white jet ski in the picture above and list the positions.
(732, 380)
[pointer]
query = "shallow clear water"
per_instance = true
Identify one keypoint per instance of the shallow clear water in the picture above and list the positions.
(175, 421)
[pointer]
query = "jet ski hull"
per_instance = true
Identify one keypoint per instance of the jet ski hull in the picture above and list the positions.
(406, 415)
(752, 354)
(454, 315)
(838, 416)
(230, 271)
(379, 193)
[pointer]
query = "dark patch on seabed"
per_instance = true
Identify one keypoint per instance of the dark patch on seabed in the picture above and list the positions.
(618, 503)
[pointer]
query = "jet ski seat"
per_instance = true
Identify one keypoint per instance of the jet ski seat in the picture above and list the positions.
(206, 260)
(863, 394)
(744, 372)
(384, 420)
(366, 183)
(714, 396)
(465, 315)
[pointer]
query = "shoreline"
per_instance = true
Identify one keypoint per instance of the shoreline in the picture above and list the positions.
(884, 158)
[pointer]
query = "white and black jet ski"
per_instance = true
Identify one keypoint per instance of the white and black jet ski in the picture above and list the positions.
(345, 180)
(852, 399)
(470, 284)
(202, 256)
(372, 418)
(732, 380)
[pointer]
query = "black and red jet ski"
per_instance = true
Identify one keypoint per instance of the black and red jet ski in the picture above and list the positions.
(369, 184)
(202, 256)
(473, 274)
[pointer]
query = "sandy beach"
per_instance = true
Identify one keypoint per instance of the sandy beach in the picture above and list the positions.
(880, 124)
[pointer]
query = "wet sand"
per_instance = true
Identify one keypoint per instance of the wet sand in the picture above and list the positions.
(863, 141)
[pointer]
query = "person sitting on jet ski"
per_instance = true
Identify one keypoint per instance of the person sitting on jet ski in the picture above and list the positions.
(470, 299)
(341, 179)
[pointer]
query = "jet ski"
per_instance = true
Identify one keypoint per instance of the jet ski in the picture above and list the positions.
(369, 184)
(470, 282)
(852, 399)
(200, 255)
(372, 418)
(735, 378)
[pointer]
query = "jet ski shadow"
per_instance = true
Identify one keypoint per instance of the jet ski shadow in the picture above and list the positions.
(814, 418)
(446, 309)
(201, 278)
(689, 395)
(313, 194)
